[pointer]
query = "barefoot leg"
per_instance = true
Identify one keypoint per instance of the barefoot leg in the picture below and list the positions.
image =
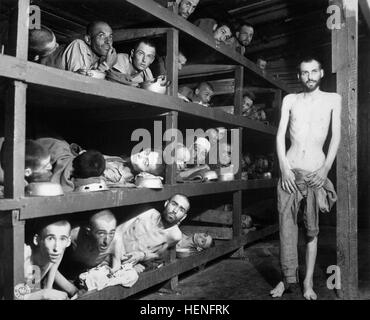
(311, 251)
(278, 291)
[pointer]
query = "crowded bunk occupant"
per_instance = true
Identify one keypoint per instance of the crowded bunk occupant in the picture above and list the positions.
(149, 234)
(242, 38)
(133, 69)
(91, 56)
(186, 7)
(92, 245)
(221, 32)
(304, 169)
(42, 257)
(37, 162)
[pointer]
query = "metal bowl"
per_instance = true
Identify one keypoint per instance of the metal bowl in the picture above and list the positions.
(44, 189)
(97, 74)
(158, 85)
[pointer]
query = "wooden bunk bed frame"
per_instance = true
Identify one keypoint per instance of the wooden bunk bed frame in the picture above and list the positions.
(26, 76)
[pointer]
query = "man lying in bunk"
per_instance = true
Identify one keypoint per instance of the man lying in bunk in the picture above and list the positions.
(44, 49)
(133, 69)
(150, 233)
(92, 56)
(193, 243)
(242, 38)
(159, 66)
(74, 167)
(37, 162)
(220, 32)
(42, 258)
(186, 7)
(203, 94)
(92, 245)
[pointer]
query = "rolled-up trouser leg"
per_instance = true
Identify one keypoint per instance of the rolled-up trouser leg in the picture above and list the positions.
(288, 239)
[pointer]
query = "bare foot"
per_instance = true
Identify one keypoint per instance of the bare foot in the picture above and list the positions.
(278, 291)
(308, 292)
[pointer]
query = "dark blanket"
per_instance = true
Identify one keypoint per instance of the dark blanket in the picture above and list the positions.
(62, 156)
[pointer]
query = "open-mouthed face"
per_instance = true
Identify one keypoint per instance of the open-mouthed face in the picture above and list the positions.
(53, 241)
(103, 231)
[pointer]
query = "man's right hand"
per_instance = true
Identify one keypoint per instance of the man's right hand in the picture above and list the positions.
(111, 57)
(120, 77)
(288, 181)
(52, 294)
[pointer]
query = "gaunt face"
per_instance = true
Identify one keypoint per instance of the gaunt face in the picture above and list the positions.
(145, 161)
(310, 75)
(187, 7)
(101, 39)
(175, 209)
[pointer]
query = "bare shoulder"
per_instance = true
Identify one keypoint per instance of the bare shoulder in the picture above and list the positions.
(289, 100)
(291, 97)
(333, 99)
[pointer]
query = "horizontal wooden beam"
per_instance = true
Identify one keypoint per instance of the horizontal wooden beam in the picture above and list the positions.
(33, 207)
(214, 216)
(201, 70)
(152, 278)
(221, 233)
(133, 34)
(64, 87)
(196, 33)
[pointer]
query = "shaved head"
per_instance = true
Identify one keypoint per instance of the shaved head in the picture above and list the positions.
(104, 215)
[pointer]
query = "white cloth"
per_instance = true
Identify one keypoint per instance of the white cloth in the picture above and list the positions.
(101, 277)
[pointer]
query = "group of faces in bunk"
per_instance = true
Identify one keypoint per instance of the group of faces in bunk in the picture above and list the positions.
(72, 257)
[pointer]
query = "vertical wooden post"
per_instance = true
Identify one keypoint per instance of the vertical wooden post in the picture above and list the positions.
(12, 253)
(18, 30)
(345, 54)
(12, 230)
(14, 146)
(172, 122)
(238, 195)
(172, 60)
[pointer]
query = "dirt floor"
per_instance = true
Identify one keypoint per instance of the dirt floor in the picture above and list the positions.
(253, 276)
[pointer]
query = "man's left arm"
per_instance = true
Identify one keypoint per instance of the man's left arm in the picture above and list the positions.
(319, 176)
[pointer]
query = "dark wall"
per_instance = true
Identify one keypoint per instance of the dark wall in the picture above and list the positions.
(363, 135)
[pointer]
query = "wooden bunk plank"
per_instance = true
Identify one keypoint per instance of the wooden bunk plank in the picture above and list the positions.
(134, 34)
(169, 17)
(119, 96)
(33, 207)
(345, 55)
(221, 233)
(201, 70)
(151, 278)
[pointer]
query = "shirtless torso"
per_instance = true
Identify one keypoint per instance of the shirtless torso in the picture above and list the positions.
(309, 120)
(308, 115)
